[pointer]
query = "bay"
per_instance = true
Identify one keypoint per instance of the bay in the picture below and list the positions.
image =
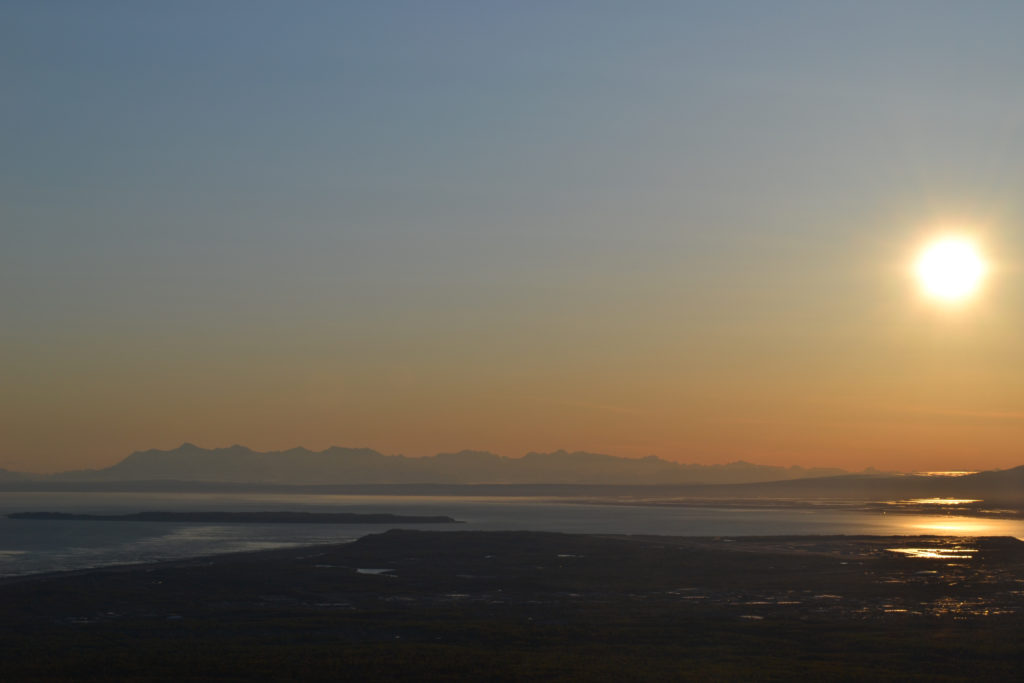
(30, 546)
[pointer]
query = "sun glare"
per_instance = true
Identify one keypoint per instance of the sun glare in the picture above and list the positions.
(950, 269)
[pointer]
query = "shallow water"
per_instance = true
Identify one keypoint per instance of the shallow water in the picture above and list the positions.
(28, 546)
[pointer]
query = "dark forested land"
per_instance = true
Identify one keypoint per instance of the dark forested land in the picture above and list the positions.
(415, 605)
(272, 517)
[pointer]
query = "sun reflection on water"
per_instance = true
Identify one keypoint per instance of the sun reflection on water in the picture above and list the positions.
(953, 525)
(967, 526)
(955, 553)
(939, 501)
(945, 473)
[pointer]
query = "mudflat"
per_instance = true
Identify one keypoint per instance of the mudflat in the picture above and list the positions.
(419, 605)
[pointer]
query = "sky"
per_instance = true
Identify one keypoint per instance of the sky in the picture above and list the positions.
(683, 229)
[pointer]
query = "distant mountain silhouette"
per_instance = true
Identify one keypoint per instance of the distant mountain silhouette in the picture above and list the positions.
(8, 475)
(336, 465)
(994, 485)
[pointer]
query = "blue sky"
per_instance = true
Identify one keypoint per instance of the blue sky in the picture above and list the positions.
(300, 199)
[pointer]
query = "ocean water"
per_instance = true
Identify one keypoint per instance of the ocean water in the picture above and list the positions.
(29, 546)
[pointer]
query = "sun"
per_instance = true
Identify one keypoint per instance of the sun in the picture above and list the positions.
(950, 269)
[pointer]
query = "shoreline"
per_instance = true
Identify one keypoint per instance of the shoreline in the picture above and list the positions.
(301, 550)
(192, 561)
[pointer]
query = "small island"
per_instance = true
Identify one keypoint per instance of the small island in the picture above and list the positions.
(268, 517)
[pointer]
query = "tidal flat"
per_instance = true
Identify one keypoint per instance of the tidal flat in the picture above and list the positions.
(421, 605)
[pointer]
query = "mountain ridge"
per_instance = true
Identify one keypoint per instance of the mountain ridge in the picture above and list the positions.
(345, 465)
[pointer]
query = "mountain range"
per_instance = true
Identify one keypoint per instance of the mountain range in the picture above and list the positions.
(479, 473)
(361, 466)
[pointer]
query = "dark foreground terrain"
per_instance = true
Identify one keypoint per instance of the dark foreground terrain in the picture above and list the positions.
(415, 605)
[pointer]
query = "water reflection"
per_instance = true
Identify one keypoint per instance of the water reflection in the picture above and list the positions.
(937, 553)
(964, 526)
(938, 501)
(27, 547)
(945, 473)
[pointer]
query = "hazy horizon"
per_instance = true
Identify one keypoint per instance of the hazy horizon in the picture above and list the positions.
(484, 452)
(674, 229)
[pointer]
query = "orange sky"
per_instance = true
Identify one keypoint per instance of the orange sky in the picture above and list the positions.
(684, 232)
(858, 371)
